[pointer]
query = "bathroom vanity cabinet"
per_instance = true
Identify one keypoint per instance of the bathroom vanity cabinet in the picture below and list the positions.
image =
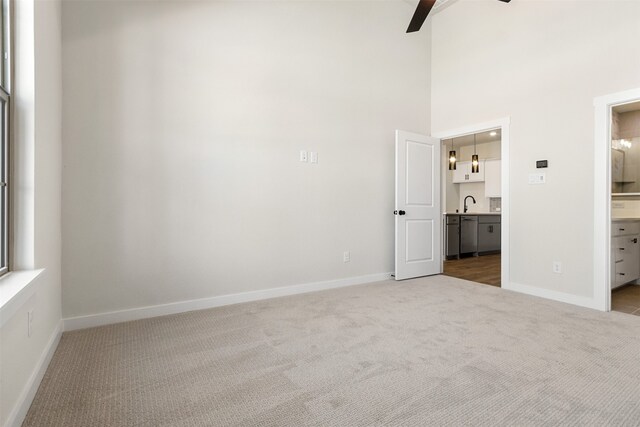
(625, 252)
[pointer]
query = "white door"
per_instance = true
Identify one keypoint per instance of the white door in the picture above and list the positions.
(417, 211)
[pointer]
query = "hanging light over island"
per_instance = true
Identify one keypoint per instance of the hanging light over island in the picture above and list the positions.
(452, 157)
(475, 163)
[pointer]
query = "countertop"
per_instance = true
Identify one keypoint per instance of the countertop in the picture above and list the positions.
(476, 213)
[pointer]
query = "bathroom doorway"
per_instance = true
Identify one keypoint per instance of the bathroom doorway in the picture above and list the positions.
(625, 208)
(617, 202)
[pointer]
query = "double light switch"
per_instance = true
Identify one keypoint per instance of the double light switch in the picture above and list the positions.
(311, 156)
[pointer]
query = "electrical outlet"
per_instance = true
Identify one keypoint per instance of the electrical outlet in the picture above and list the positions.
(313, 156)
(346, 256)
(557, 267)
(303, 156)
(29, 322)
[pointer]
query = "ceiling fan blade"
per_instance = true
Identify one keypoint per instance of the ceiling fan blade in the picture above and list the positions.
(420, 15)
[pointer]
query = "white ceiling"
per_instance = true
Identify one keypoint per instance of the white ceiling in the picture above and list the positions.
(634, 106)
(481, 138)
(440, 5)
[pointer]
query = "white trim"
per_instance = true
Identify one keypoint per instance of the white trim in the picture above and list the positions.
(19, 412)
(16, 287)
(503, 124)
(471, 129)
(108, 318)
(602, 195)
(552, 295)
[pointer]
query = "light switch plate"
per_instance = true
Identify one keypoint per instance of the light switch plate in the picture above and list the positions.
(314, 156)
(537, 178)
(303, 156)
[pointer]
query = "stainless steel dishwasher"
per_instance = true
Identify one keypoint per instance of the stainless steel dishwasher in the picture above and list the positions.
(468, 235)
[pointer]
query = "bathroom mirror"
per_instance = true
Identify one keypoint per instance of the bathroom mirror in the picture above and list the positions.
(625, 149)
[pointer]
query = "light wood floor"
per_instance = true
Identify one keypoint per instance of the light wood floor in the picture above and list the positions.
(482, 269)
(486, 270)
(626, 299)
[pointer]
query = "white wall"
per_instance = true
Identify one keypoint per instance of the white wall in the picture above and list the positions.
(451, 191)
(182, 123)
(37, 99)
(541, 63)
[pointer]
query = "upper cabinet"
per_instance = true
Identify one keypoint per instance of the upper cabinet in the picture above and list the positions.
(463, 174)
(492, 178)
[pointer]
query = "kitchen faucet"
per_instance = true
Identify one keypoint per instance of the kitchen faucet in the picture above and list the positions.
(465, 203)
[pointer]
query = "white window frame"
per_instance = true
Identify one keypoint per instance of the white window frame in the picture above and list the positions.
(5, 120)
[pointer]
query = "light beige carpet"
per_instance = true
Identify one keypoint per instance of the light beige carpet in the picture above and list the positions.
(432, 351)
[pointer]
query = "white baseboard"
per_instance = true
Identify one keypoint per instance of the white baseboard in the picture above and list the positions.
(19, 412)
(552, 295)
(108, 318)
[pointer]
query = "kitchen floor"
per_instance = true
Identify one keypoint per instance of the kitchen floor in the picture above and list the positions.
(626, 299)
(482, 269)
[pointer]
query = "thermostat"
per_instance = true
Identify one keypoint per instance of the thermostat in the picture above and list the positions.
(542, 164)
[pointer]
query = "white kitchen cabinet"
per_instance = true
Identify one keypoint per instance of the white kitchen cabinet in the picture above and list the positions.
(463, 175)
(625, 252)
(492, 178)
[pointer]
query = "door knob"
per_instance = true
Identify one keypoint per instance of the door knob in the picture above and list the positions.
(399, 212)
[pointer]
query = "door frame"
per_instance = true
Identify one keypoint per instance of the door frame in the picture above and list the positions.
(504, 125)
(602, 194)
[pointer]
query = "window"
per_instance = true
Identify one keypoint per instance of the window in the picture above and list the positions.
(4, 136)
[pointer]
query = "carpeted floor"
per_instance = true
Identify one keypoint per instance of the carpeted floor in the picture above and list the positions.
(431, 351)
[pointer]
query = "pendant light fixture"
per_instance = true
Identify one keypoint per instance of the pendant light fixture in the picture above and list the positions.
(452, 157)
(475, 164)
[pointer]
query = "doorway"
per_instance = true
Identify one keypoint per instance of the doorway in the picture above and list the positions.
(482, 252)
(620, 115)
(472, 201)
(609, 235)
